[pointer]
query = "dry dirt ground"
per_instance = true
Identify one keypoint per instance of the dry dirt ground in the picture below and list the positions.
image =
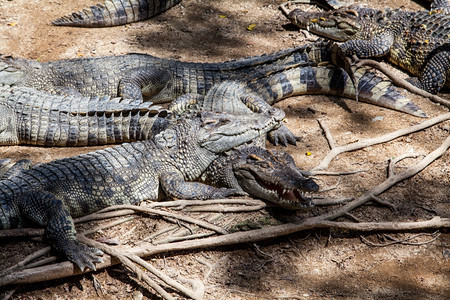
(307, 265)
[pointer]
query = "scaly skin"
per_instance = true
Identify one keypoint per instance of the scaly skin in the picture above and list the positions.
(134, 76)
(49, 195)
(440, 6)
(266, 174)
(115, 13)
(416, 41)
(38, 118)
(258, 95)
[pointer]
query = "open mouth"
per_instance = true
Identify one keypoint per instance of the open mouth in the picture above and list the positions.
(285, 197)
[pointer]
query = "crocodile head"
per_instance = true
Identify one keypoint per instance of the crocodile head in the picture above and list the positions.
(12, 70)
(220, 132)
(341, 24)
(266, 174)
(273, 176)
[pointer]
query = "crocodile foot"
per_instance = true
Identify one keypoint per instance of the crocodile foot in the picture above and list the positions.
(283, 136)
(82, 255)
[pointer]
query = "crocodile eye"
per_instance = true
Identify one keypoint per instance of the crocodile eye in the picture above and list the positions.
(223, 122)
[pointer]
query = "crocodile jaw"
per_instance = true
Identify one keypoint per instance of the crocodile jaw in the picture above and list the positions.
(339, 25)
(222, 132)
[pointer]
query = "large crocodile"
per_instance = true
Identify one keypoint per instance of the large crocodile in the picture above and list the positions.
(157, 79)
(38, 118)
(116, 12)
(417, 41)
(49, 195)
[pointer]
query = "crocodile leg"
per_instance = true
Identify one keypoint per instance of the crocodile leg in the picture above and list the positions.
(142, 81)
(45, 209)
(435, 72)
(174, 185)
(376, 47)
(8, 169)
(282, 135)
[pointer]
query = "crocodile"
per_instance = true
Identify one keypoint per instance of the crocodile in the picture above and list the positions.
(139, 76)
(49, 195)
(10, 169)
(417, 41)
(270, 175)
(38, 118)
(258, 95)
(115, 13)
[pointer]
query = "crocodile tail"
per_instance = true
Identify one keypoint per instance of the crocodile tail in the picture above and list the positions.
(327, 80)
(115, 12)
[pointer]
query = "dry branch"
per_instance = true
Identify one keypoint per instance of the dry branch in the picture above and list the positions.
(378, 140)
(66, 269)
(128, 263)
(168, 215)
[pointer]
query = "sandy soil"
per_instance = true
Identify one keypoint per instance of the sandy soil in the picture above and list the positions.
(308, 265)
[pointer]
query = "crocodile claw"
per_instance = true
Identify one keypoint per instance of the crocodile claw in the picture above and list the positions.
(283, 136)
(83, 256)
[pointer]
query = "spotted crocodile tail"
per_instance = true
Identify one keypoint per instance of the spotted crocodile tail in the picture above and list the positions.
(115, 13)
(328, 80)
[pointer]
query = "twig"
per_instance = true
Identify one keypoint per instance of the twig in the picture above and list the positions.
(96, 216)
(187, 237)
(352, 217)
(128, 263)
(401, 82)
(21, 232)
(395, 160)
(329, 173)
(328, 135)
(378, 140)
(285, 229)
(169, 215)
(389, 182)
(327, 201)
(211, 266)
(330, 188)
(182, 204)
(105, 226)
(35, 255)
(435, 235)
(188, 234)
(385, 203)
(166, 279)
(7, 295)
